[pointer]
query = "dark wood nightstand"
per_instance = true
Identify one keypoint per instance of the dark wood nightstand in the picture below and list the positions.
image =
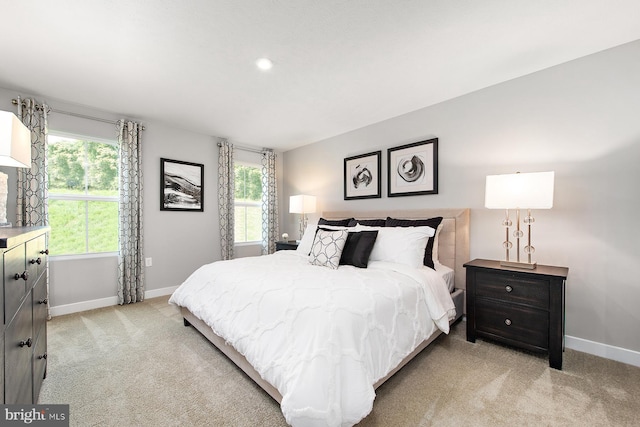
(284, 245)
(523, 308)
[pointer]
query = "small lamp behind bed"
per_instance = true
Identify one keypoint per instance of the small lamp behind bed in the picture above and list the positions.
(519, 191)
(303, 205)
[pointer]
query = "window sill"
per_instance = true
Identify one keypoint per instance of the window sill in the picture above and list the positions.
(54, 258)
(248, 244)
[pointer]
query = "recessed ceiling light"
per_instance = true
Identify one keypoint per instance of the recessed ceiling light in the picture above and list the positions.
(264, 64)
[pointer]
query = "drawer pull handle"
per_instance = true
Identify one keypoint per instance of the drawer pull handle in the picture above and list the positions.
(36, 261)
(45, 252)
(507, 322)
(24, 276)
(44, 356)
(508, 288)
(43, 301)
(28, 342)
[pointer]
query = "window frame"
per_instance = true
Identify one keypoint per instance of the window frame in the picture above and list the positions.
(85, 197)
(247, 204)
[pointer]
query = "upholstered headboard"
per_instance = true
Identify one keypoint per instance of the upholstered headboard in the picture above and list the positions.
(453, 241)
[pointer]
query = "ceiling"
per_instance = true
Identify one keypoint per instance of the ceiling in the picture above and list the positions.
(339, 65)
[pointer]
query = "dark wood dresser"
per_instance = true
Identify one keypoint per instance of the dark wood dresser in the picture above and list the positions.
(24, 312)
(518, 307)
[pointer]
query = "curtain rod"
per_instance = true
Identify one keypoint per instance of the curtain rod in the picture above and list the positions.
(82, 116)
(250, 149)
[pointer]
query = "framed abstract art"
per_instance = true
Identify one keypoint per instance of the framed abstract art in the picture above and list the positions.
(181, 186)
(362, 176)
(413, 169)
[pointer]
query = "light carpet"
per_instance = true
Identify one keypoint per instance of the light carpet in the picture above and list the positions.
(137, 365)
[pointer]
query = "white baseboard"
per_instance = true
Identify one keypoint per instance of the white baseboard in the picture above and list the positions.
(60, 310)
(619, 354)
(154, 293)
(77, 307)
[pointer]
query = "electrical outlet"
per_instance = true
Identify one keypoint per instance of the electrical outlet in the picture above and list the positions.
(148, 262)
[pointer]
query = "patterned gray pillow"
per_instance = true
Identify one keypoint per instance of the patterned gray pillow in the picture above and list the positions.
(327, 248)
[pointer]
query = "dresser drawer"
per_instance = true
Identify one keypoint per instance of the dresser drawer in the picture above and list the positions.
(14, 289)
(513, 288)
(39, 363)
(19, 341)
(36, 258)
(513, 323)
(39, 305)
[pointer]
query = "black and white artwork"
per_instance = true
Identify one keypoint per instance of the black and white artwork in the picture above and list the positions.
(182, 186)
(413, 169)
(362, 176)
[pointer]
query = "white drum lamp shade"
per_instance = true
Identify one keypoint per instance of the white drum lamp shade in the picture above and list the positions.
(15, 142)
(302, 204)
(520, 191)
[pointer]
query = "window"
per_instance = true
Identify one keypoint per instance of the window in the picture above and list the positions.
(248, 203)
(83, 195)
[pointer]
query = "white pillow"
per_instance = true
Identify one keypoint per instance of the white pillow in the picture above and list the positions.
(327, 248)
(402, 245)
(304, 247)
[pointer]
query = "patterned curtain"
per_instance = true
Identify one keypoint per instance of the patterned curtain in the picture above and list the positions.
(131, 241)
(269, 202)
(33, 184)
(226, 190)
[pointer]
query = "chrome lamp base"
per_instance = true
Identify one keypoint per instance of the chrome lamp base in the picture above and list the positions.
(515, 264)
(518, 234)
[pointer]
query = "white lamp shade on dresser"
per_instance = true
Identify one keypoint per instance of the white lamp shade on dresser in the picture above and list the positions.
(15, 141)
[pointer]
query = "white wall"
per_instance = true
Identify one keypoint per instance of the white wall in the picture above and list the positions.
(177, 242)
(580, 119)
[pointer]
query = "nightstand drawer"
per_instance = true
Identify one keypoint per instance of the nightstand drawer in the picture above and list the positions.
(513, 288)
(290, 245)
(513, 323)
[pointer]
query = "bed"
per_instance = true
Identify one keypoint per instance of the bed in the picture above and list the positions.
(335, 383)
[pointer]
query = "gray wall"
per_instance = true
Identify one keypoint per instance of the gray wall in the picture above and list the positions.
(177, 242)
(580, 119)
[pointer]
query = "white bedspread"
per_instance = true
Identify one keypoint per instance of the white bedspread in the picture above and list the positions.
(322, 337)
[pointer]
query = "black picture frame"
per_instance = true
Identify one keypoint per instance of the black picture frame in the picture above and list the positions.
(412, 169)
(362, 176)
(181, 186)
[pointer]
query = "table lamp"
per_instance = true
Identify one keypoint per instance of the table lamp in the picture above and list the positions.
(519, 191)
(302, 204)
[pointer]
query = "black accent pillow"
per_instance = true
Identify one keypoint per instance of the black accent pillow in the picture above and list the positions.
(335, 222)
(431, 222)
(367, 222)
(358, 248)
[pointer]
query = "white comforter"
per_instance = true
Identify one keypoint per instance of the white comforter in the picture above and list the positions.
(322, 337)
